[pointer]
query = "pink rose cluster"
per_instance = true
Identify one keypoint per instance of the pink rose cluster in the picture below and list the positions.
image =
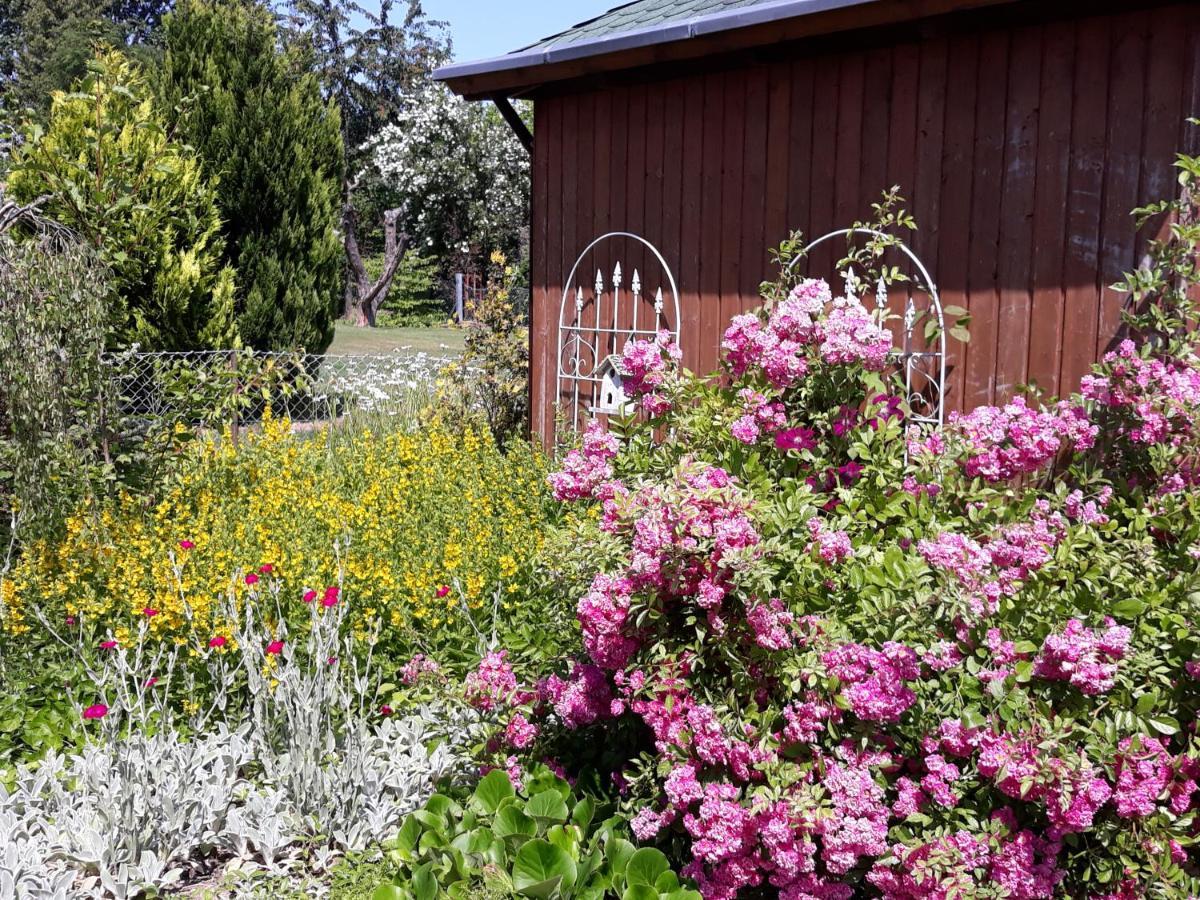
(873, 681)
(417, 668)
(586, 471)
(1085, 657)
(1160, 396)
(759, 416)
(780, 348)
(647, 367)
(493, 684)
(1015, 439)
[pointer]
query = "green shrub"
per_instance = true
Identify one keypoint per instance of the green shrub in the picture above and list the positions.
(113, 174)
(540, 841)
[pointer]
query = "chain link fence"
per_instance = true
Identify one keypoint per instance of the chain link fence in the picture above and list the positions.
(236, 388)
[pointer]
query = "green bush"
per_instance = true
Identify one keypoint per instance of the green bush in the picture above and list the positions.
(113, 174)
(261, 126)
(542, 841)
(411, 299)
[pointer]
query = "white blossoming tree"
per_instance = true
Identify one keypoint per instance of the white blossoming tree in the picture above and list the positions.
(461, 175)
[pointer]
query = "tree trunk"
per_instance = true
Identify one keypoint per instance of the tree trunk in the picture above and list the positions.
(363, 296)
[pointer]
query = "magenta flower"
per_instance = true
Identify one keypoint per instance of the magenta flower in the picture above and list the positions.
(309, 596)
(266, 568)
(331, 597)
(385, 710)
(151, 681)
(149, 612)
(218, 641)
(443, 591)
(186, 545)
(95, 711)
(70, 620)
(108, 645)
(275, 648)
(251, 578)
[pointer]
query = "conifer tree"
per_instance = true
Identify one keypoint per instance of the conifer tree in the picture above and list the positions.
(255, 115)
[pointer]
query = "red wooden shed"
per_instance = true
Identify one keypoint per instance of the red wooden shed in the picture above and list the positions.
(1022, 134)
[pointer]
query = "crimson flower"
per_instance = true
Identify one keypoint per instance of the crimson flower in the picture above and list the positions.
(186, 545)
(108, 645)
(309, 596)
(151, 681)
(275, 647)
(331, 597)
(266, 568)
(70, 620)
(385, 710)
(443, 590)
(149, 612)
(251, 578)
(331, 660)
(218, 641)
(96, 711)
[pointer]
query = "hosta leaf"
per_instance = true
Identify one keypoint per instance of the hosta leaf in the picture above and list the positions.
(645, 866)
(540, 869)
(493, 789)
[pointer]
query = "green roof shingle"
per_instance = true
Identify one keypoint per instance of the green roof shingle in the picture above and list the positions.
(637, 15)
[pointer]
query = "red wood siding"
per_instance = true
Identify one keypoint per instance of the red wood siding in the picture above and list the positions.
(1021, 148)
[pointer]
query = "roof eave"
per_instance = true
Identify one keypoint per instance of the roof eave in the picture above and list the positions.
(520, 72)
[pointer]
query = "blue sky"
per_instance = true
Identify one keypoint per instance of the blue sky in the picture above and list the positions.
(483, 28)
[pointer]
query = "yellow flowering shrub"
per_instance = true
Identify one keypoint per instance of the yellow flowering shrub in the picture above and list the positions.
(410, 525)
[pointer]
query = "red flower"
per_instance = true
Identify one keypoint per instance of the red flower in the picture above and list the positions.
(385, 710)
(443, 590)
(275, 647)
(186, 545)
(108, 645)
(218, 641)
(151, 681)
(266, 568)
(331, 597)
(149, 612)
(96, 711)
(309, 596)
(251, 578)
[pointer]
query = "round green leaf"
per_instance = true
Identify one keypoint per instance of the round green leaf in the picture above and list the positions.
(540, 868)
(389, 892)
(645, 866)
(493, 789)
(548, 806)
(510, 821)
(639, 892)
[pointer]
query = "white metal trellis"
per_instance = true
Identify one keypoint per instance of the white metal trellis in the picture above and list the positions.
(924, 369)
(595, 322)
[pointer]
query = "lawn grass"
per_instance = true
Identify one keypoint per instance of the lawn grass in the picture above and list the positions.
(438, 340)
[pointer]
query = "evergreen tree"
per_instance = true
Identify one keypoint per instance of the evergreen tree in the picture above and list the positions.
(258, 121)
(112, 174)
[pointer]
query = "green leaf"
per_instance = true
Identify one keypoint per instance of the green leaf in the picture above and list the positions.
(540, 869)
(493, 789)
(639, 892)
(1164, 724)
(424, 885)
(389, 892)
(583, 812)
(548, 806)
(1127, 609)
(645, 866)
(510, 822)
(406, 840)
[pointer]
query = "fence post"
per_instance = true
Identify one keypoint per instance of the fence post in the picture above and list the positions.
(458, 296)
(234, 417)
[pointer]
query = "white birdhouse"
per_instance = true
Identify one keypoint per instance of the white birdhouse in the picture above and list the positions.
(611, 399)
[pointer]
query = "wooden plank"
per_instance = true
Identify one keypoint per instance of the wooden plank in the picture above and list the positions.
(954, 219)
(1016, 211)
(778, 174)
(733, 165)
(754, 187)
(541, 340)
(849, 154)
(1050, 207)
(878, 119)
(985, 218)
(710, 221)
(690, 224)
(1089, 118)
(652, 227)
(675, 122)
(554, 261)
(931, 122)
(800, 148)
(1122, 169)
(823, 175)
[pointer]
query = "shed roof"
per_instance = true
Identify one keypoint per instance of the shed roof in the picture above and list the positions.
(646, 32)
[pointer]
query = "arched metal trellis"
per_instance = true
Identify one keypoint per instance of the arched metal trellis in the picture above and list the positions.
(597, 319)
(924, 364)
